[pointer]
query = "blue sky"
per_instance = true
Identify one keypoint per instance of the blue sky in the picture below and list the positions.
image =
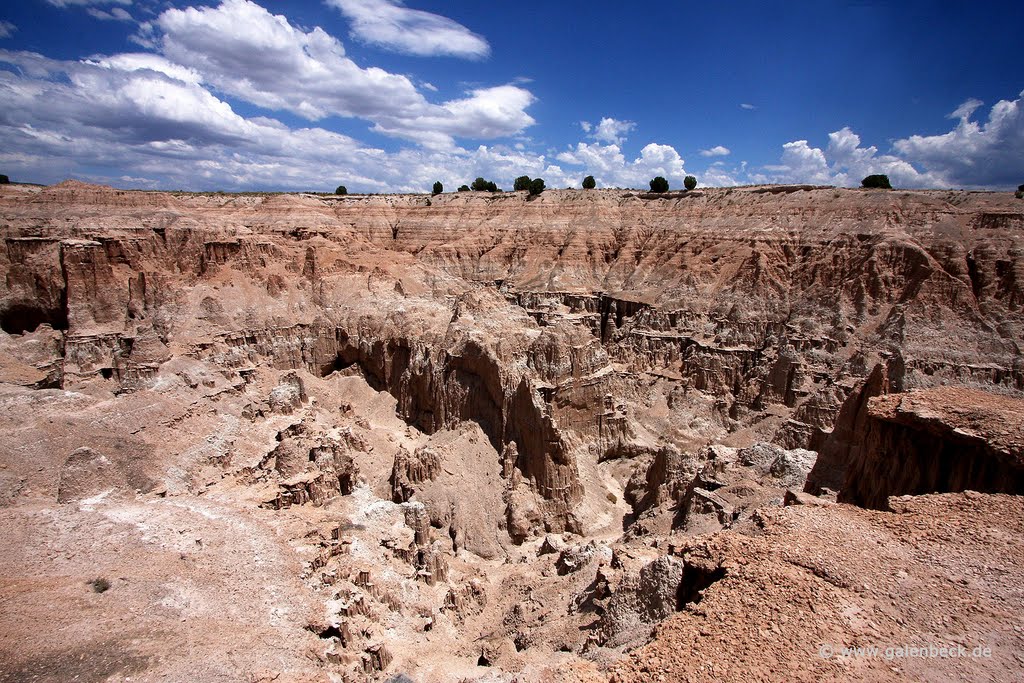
(384, 96)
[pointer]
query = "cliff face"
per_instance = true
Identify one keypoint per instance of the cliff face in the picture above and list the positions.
(937, 441)
(593, 325)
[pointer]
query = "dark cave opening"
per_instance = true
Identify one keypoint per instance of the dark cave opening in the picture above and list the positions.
(23, 317)
(696, 579)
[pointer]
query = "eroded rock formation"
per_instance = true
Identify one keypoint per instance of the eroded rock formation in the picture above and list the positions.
(471, 433)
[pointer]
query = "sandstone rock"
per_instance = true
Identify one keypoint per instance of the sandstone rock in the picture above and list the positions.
(575, 557)
(640, 600)
(938, 440)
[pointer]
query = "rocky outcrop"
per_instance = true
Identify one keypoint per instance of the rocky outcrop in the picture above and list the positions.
(307, 466)
(734, 483)
(585, 328)
(843, 443)
(936, 441)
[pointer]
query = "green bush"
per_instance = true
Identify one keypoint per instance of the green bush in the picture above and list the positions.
(876, 181)
(438, 187)
(100, 585)
(521, 183)
(341, 190)
(690, 182)
(463, 188)
(589, 183)
(1019, 194)
(1020, 188)
(659, 184)
(481, 185)
(536, 186)
(4, 179)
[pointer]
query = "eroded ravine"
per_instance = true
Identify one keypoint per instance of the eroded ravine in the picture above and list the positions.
(489, 426)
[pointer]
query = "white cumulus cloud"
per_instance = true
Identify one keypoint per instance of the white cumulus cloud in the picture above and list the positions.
(389, 24)
(7, 29)
(716, 151)
(612, 131)
(974, 154)
(610, 167)
(241, 49)
(843, 162)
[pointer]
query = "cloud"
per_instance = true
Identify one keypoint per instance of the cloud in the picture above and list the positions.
(7, 28)
(115, 14)
(132, 103)
(718, 176)
(610, 168)
(987, 155)
(242, 50)
(142, 120)
(144, 61)
(485, 113)
(843, 162)
(137, 121)
(390, 25)
(716, 151)
(608, 130)
(973, 154)
(748, 107)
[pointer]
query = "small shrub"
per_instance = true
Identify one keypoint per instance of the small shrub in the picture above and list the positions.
(341, 190)
(536, 186)
(880, 182)
(100, 585)
(481, 185)
(589, 183)
(521, 183)
(463, 188)
(690, 182)
(4, 179)
(1019, 194)
(659, 184)
(438, 188)
(1020, 188)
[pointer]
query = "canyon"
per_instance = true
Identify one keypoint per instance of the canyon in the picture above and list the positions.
(599, 435)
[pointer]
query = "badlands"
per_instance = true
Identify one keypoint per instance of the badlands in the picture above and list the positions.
(739, 434)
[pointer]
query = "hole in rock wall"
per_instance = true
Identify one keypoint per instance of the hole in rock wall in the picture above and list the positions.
(20, 318)
(696, 579)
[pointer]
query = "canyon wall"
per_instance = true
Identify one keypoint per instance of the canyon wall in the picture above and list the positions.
(574, 327)
(937, 441)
